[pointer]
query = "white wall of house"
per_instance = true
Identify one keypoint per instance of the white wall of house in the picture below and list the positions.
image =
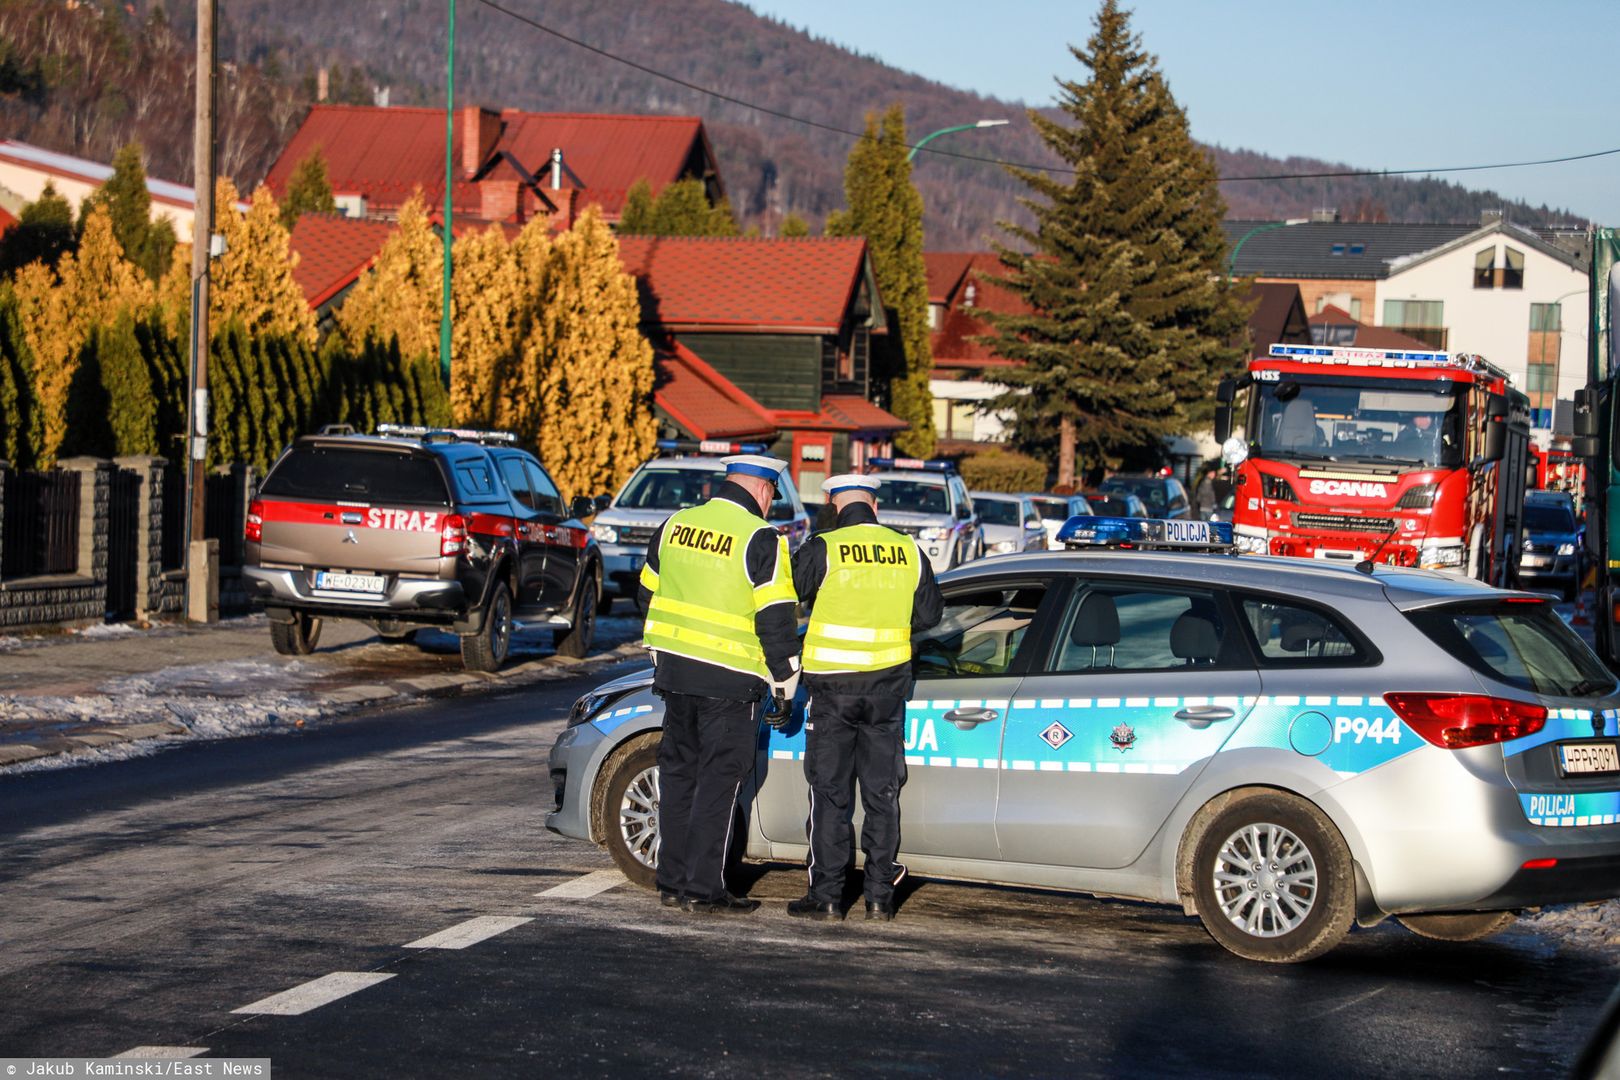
(1495, 322)
(29, 181)
(987, 427)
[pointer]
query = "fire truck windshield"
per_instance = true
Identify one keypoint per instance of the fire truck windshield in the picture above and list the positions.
(1338, 418)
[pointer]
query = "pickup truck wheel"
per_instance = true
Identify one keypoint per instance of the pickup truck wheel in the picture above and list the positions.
(1460, 925)
(1273, 880)
(487, 650)
(631, 819)
(296, 638)
(575, 642)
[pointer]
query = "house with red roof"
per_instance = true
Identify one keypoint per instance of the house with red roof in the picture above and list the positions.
(508, 166)
(333, 251)
(960, 290)
(766, 340)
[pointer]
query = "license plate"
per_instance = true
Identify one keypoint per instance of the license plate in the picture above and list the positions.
(1579, 758)
(367, 583)
(1187, 532)
(1535, 560)
(636, 561)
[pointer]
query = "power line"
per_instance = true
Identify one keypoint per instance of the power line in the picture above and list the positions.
(836, 130)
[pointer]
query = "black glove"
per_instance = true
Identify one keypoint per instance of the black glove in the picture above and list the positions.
(778, 711)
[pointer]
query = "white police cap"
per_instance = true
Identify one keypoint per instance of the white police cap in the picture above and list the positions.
(761, 465)
(848, 482)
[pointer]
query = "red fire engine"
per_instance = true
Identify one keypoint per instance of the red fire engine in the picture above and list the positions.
(1407, 458)
(1558, 470)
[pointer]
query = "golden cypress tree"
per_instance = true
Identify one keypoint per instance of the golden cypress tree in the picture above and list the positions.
(597, 377)
(485, 299)
(519, 406)
(252, 282)
(399, 297)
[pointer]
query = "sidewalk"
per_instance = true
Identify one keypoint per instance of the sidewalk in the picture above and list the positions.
(116, 691)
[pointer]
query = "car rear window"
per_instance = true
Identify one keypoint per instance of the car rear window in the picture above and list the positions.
(998, 511)
(1520, 642)
(341, 474)
(1056, 509)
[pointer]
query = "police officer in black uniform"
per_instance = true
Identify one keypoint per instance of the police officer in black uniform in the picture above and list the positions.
(872, 588)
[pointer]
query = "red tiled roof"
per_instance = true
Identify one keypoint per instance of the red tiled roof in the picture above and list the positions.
(6, 220)
(953, 342)
(703, 401)
(736, 283)
(387, 153)
(333, 251)
(860, 412)
(945, 270)
(1332, 316)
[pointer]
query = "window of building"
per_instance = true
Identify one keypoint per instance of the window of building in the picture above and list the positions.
(1336, 249)
(1513, 272)
(1357, 249)
(1355, 309)
(1546, 317)
(1422, 319)
(1485, 268)
(1541, 377)
(953, 419)
(934, 315)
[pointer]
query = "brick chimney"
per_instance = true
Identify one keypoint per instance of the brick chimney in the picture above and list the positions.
(498, 200)
(562, 218)
(480, 130)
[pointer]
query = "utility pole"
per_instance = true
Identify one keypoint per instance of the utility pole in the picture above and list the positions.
(202, 563)
(449, 178)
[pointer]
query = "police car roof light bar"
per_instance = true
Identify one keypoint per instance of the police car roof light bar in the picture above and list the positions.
(709, 446)
(1085, 532)
(906, 463)
(1350, 356)
(427, 434)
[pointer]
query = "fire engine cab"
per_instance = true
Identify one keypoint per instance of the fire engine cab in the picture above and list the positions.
(1400, 457)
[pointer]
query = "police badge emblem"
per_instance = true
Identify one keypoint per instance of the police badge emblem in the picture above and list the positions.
(1123, 737)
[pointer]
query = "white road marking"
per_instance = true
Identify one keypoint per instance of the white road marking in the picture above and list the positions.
(170, 1053)
(597, 881)
(313, 994)
(470, 932)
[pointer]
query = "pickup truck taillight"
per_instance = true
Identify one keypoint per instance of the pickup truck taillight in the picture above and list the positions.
(453, 535)
(253, 528)
(1458, 721)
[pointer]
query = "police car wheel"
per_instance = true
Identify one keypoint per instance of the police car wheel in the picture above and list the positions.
(1459, 925)
(487, 650)
(631, 815)
(1273, 880)
(296, 638)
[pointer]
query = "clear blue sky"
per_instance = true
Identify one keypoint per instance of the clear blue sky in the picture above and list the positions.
(1379, 84)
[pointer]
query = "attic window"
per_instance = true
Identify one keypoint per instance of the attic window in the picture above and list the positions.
(1513, 272)
(1336, 249)
(970, 294)
(1357, 249)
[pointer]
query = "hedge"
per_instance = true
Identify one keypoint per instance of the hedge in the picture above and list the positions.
(1002, 470)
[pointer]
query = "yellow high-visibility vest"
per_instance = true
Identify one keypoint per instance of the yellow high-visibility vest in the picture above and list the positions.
(862, 617)
(703, 602)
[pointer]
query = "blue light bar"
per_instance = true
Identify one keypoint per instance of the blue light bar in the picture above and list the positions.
(1351, 354)
(936, 465)
(709, 446)
(1083, 532)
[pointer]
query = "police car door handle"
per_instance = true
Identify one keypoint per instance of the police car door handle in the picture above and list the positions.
(1199, 716)
(966, 718)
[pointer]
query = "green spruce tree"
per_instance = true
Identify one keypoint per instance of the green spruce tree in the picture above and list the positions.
(886, 208)
(44, 233)
(146, 243)
(309, 190)
(1131, 319)
(636, 218)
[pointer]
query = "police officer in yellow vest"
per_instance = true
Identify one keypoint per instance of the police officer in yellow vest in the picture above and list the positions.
(722, 624)
(872, 589)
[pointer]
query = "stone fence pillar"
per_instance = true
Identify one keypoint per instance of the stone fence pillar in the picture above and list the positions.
(149, 534)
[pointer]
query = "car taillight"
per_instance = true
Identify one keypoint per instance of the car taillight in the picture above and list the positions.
(1275, 487)
(253, 528)
(1458, 721)
(452, 535)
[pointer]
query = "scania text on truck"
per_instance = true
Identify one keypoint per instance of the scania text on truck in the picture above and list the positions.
(1401, 457)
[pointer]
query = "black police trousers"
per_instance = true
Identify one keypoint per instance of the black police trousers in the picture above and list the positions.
(706, 754)
(850, 739)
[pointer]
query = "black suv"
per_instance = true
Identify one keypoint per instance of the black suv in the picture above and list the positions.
(412, 527)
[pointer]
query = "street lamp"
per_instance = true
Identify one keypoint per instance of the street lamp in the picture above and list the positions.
(449, 136)
(918, 145)
(1231, 263)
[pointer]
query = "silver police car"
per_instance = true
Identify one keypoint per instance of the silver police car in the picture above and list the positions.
(1284, 748)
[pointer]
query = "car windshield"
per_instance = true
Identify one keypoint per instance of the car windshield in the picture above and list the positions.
(1055, 509)
(912, 497)
(1351, 419)
(340, 473)
(1522, 643)
(998, 511)
(1548, 518)
(669, 489)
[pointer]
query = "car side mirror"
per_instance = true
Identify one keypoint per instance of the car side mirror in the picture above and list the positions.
(581, 506)
(1223, 422)
(1585, 446)
(1585, 419)
(963, 511)
(603, 501)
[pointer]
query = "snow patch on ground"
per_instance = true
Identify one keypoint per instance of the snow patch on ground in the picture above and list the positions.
(1594, 924)
(107, 630)
(7, 642)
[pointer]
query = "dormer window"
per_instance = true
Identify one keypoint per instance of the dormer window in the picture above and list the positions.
(1485, 268)
(1513, 272)
(969, 294)
(1336, 249)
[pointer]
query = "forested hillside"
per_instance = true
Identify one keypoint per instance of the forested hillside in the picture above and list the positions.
(76, 79)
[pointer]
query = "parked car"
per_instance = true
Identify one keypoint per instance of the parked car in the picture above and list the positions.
(1011, 523)
(1551, 555)
(1057, 509)
(1223, 508)
(928, 500)
(410, 528)
(1115, 504)
(684, 474)
(1164, 496)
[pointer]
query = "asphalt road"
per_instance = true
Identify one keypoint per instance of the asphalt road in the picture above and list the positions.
(144, 903)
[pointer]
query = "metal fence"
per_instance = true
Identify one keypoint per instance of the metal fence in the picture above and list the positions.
(174, 517)
(223, 518)
(124, 567)
(41, 524)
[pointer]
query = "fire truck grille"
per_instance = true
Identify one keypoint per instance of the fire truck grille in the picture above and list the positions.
(1344, 523)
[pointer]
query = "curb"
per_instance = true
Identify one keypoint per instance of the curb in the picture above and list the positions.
(335, 702)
